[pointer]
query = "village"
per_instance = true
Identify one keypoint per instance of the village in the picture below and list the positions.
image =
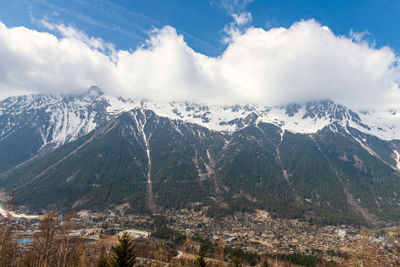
(263, 234)
(256, 233)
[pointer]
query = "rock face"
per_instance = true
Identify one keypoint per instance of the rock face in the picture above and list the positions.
(320, 161)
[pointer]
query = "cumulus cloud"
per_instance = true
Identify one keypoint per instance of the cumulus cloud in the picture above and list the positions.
(40, 62)
(304, 62)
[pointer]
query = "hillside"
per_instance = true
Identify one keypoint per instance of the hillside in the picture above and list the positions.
(336, 174)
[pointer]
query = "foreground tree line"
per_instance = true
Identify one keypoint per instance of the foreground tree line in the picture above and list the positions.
(53, 245)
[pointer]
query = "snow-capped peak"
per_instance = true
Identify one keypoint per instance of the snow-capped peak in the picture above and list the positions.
(61, 119)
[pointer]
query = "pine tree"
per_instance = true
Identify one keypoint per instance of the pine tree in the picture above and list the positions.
(236, 261)
(201, 259)
(124, 254)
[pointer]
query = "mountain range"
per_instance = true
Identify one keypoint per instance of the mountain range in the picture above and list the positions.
(319, 161)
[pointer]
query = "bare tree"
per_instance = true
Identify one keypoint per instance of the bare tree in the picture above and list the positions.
(64, 242)
(103, 260)
(8, 246)
(45, 241)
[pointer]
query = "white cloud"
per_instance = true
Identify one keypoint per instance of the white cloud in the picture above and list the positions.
(233, 6)
(358, 36)
(72, 33)
(242, 18)
(278, 66)
(38, 61)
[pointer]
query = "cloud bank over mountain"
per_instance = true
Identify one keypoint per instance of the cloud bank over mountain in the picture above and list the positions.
(304, 62)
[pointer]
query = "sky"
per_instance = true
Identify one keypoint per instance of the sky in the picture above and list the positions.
(270, 52)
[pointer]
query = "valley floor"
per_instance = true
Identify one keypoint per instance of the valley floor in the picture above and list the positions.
(257, 236)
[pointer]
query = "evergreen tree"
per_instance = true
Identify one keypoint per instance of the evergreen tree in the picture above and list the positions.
(201, 259)
(236, 261)
(124, 254)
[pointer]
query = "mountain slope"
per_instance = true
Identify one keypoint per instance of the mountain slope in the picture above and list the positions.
(30, 125)
(123, 159)
(35, 124)
(335, 175)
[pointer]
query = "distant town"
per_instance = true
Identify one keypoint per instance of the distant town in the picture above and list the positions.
(258, 236)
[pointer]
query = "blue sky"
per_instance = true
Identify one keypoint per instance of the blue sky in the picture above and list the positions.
(126, 23)
(268, 52)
